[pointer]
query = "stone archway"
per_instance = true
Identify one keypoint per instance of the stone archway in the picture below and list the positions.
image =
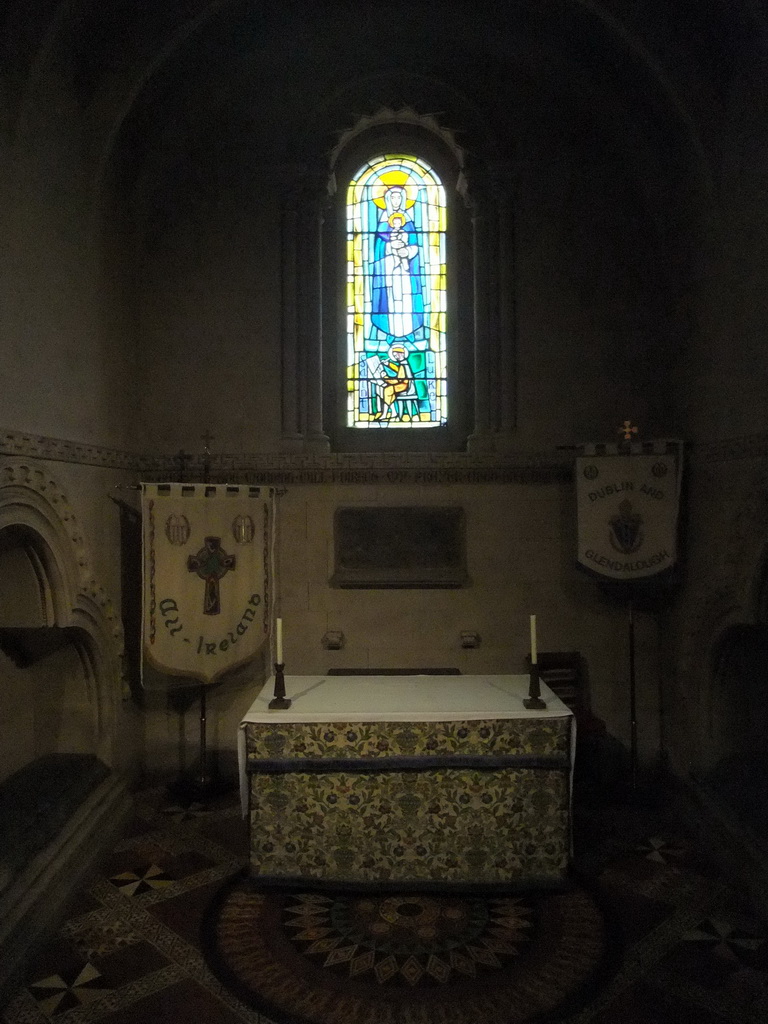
(740, 687)
(60, 639)
(60, 683)
(736, 683)
(739, 779)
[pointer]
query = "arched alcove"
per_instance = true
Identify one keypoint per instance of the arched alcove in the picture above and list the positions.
(60, 681)
(60, 642)
(740, 690)
(740, 724)
(49, 695)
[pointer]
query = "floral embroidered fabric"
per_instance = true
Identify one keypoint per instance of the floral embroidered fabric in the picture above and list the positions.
(471, 803)
(544, 737)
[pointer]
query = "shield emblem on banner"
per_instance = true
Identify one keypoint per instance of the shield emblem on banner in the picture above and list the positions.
(205, 578)
(626, 533)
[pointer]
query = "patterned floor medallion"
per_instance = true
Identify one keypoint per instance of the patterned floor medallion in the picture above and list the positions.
(318, 958)
(407, 939)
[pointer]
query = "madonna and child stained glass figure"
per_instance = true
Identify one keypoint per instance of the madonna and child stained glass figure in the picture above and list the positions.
(396, 295)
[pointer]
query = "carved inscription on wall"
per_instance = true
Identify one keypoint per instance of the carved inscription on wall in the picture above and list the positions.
(386, 546)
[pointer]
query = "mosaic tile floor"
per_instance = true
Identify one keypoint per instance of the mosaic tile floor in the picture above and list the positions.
(129, 950)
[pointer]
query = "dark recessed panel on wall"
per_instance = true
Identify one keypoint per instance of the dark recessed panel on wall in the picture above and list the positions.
(409, 546)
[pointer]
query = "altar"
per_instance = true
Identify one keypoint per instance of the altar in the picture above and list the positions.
(408, 781)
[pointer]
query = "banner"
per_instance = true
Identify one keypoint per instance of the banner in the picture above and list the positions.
(206, 558)
(627, 514)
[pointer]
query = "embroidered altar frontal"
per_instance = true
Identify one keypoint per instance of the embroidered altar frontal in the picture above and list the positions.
(473, 803)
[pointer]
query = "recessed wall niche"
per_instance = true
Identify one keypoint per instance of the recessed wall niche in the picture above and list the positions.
(60, 639)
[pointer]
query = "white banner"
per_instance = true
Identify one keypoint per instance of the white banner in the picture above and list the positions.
(627, 514)
(206, 577)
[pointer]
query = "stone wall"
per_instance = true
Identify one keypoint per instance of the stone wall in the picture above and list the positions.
(141, 308)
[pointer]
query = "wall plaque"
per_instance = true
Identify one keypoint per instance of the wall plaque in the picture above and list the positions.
(387, 546)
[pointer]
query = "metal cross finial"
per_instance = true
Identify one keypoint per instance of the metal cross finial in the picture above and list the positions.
(627, 430)
(206, 438)
(182, 458)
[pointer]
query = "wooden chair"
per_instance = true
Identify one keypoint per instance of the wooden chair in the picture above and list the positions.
(564, 672)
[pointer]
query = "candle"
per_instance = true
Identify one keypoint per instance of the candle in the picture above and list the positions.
(533, 640)
(279, 625)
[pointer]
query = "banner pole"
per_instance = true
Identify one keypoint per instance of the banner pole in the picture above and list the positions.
(204, 780)
(632, 700)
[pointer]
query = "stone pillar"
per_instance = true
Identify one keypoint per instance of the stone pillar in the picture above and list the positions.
(292, 377)
(505, 292)
(311, 307)
(480, 264)
(493, 268)
(302, 313)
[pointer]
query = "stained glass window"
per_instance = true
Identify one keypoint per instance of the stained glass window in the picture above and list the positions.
(396, 295)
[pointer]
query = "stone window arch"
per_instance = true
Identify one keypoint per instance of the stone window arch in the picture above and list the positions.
(479, 347)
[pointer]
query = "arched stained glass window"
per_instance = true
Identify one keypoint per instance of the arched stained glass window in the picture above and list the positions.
(396, 296)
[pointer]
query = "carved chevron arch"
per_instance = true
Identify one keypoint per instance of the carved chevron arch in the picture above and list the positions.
(71, 598)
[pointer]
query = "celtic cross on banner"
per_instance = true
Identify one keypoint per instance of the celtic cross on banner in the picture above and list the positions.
(211, 563)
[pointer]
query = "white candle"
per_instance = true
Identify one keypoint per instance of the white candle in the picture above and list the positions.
(533, 640)
(279, 627)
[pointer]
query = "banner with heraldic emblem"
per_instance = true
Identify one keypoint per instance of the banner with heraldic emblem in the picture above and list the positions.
(627, 508)
(206, 558)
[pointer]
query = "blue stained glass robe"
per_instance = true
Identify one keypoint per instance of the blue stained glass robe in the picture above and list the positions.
(397, 291)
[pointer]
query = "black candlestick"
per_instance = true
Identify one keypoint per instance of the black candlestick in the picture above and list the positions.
(280, 701)
(534, 691)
